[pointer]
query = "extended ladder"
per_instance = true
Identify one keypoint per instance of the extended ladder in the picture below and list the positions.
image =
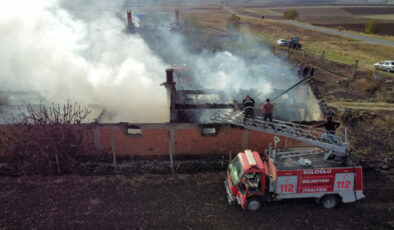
(332, 143)
(299, 153)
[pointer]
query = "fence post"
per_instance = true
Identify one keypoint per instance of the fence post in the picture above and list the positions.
(322, 57)
(171, 147)
(113, 150)
(354, 69)
(97, 140)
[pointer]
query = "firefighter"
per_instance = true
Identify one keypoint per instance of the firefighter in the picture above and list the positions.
(312, 71)
(330, 127)
(248, 104)
(268, 110)
(306, 70)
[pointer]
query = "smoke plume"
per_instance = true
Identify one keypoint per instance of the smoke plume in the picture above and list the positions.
(78, 50)
(81, 54)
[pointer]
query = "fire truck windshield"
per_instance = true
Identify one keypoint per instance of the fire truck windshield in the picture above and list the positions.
(236, 170)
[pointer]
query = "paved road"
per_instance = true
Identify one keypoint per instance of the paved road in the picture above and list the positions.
(343, 34)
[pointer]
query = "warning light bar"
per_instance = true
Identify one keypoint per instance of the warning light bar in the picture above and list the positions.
(249, 156)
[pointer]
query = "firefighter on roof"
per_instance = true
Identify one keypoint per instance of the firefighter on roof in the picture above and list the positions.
(248, 104)
(268, 110)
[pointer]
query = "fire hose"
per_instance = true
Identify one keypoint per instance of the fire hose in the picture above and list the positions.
(287, 90)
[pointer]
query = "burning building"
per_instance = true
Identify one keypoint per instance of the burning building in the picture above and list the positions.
(91, 60)
(197, 105)
(189, 125)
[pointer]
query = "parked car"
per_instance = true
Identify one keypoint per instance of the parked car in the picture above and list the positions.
(283, 42)
(385, 65)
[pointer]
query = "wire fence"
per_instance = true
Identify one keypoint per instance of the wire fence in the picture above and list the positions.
(319, 59)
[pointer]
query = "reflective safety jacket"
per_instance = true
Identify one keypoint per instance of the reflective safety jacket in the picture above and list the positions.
(248, 103)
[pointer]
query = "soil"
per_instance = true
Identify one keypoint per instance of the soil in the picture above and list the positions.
(335, 11)
(349, 18)
(385, 28)
(183, 201)
(316, 11)
(370, 10)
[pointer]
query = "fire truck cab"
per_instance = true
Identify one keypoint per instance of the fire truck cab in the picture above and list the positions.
(252, 180)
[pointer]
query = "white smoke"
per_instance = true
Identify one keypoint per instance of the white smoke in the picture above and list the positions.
(255, 68)
(77, 50)
(85, 59)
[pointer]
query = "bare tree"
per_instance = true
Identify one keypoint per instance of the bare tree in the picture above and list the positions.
(47, 138)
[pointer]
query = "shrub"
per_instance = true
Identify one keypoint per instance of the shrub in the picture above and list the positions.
(372, 27)
(367, 85)
(46, 139)
(290, 14)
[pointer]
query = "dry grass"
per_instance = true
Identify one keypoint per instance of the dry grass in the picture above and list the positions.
(342, 50)
(380, 16)
(337, 48)
(385, 37)
(315, 11)
(363, 105)
(280, 30)
(367, 85)
(214, 19)
(261, 11)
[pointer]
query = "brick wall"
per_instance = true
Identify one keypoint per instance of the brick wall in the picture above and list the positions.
(154, 140)
(191, 141)
(188, 140)
(151, 141)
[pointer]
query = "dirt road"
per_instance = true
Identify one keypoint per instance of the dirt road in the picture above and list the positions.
(183, 201)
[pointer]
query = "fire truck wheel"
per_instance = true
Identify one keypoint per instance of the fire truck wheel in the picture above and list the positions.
(254, 204)
(329, 202)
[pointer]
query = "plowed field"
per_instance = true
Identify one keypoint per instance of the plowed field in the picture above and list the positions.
(184, 201)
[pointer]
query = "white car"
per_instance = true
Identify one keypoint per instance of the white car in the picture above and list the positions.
(385, 65)
(283, 42)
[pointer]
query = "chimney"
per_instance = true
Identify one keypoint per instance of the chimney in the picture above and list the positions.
(177, 17)
(129, 18)
(170, 75)
(171, 93)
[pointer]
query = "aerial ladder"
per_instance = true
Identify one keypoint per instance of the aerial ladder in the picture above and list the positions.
(336, 145)
(329, 144)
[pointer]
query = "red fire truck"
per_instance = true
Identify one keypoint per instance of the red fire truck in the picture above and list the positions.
(253, 180)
